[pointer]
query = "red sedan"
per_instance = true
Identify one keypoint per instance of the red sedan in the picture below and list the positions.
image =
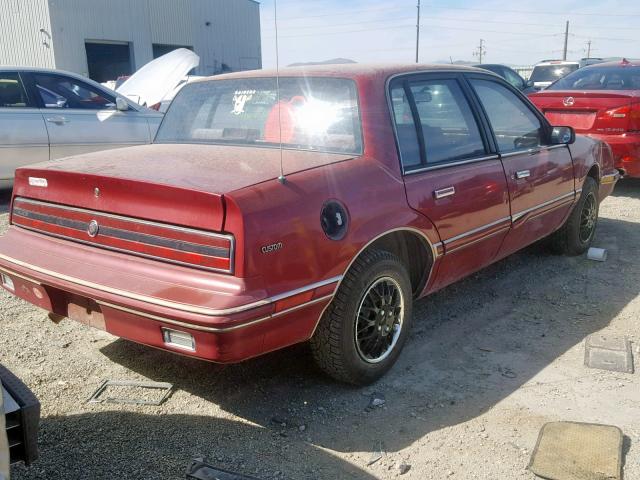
(602, 101)
(314, 206)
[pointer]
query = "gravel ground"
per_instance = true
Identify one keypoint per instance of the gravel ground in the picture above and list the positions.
(490, 360)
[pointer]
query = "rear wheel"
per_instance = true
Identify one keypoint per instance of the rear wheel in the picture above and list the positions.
(576, 235)
(364, 329)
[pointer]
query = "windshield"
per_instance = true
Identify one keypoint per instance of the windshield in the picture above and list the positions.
(551, 73)
(601, 78)
(313, 114)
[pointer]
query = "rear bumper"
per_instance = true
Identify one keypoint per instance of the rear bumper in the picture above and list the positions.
(136, 299)
(626, 151)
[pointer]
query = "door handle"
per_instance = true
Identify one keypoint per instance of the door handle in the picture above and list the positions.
(444, 192)
(58, 120)
(523, 174)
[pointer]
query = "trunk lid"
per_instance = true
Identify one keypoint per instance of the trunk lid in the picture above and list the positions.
(176, 184)
(601, 111)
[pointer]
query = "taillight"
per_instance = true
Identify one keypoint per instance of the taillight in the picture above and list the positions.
(185, 246)
(631, 113)
(634, 118)
(156, 106)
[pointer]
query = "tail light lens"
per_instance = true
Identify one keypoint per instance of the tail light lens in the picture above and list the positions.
(629, 112)
(634, 118)
(185, 246)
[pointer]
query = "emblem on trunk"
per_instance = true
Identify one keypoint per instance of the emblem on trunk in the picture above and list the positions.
(96, 192)
(568, 101)
(92, 229)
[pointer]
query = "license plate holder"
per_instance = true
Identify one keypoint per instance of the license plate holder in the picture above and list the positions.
(86, 311)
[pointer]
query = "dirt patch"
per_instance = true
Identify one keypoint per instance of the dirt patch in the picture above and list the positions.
(490, 360)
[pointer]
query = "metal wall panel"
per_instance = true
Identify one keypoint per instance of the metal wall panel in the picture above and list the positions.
(220, 31)
(26, 33)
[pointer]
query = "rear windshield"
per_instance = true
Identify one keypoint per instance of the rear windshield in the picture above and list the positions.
(601, 78)
(313, 114)
(551, 73)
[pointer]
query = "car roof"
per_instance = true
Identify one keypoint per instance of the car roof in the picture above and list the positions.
(617, 63)
(555, 62)
(350, 70)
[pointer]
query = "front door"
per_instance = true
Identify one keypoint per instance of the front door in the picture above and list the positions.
(540, 175)
(81, 118)
(23, 135)
(449, 175)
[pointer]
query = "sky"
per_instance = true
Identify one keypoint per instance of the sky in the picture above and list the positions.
(517, 33)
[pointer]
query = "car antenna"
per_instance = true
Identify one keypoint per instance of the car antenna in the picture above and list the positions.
(281, 178)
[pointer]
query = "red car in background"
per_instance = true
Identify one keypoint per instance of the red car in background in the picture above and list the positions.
(602, 101)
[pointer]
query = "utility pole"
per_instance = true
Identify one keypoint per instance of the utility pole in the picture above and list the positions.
(418, 33)
(481, 51)
(566, 40)
(589, 49)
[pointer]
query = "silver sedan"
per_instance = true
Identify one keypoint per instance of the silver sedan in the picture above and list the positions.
(48, 114)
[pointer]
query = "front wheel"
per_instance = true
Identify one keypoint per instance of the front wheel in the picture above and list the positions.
(362, 332)
(576, 235)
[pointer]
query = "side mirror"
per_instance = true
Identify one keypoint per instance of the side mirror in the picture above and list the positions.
(528, 83)
(121, 104)
(563, 136)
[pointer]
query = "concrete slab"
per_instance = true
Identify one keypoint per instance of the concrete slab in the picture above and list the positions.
(608, 352)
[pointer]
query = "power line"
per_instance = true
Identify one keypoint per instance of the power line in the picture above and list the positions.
(443, 27)
(531, 12)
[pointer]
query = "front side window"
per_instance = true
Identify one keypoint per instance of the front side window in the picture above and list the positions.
(57, 91)
(306, 113)
(12, 93)
(513, 78)
(515, 126)
(600, 78)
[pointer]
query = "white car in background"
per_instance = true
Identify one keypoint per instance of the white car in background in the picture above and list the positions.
(47, 114)
(548, 71)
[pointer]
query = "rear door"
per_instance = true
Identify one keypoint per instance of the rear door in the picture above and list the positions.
(81, 118)
(540, 176)
(449, 175)
(23, 135)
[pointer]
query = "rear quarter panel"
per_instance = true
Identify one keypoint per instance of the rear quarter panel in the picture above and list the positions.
(588, 153)
(289, 214)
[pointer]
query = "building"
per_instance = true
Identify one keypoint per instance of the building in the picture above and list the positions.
(104, 39)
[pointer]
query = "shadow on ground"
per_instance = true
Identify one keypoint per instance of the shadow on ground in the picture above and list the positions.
(151, 447)
(628, 187)
(473, 344)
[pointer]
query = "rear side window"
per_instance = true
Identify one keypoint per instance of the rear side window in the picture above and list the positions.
(515, 126)
(446, 122)
(600, 78)
(551, 73)
(306, 113)
(405, 128)
(12, 92)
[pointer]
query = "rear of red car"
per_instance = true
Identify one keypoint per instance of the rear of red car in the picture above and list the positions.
(169, 244)
(602, 101)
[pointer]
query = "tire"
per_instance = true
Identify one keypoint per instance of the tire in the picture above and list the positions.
(576, 235)
(345, 344)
